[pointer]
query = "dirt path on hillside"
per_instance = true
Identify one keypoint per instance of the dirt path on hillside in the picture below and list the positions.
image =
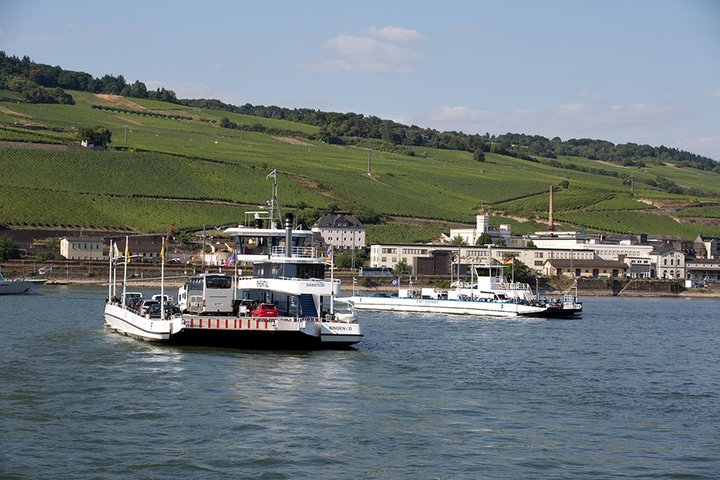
(13, 113)
(125, 119)
(293, 141)
(119, 101)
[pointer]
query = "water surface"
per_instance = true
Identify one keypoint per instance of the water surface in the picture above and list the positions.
(631, 390)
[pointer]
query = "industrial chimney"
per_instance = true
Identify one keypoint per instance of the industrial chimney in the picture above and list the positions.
(551, 224)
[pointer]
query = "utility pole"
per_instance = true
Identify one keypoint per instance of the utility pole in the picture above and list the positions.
(369, 162)
(126, 129)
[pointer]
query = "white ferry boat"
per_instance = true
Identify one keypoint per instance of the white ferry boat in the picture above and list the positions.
(490, 295)
(288, 282)
(17, 287)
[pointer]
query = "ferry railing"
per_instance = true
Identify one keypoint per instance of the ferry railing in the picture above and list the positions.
(270, 323)
(335, 281)
(296, 252)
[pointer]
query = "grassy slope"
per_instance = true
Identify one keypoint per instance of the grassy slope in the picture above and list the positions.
(190, 159)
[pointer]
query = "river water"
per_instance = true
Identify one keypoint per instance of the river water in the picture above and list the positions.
(631, 390)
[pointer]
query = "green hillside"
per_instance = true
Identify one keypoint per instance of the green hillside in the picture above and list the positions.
(170, 163)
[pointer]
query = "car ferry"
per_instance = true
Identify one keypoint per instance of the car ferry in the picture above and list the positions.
(288, 279)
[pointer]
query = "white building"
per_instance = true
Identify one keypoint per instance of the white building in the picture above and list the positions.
(603, 249)
(640, 267)
(669, 263)
(341, 231)
(390, 255)
(471, 235)
(83, 248)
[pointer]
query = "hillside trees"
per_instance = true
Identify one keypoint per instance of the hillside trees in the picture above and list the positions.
(32, 92)
(8, 249)
(95, 135)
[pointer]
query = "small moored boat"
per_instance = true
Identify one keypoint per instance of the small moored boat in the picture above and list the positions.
(19, 287)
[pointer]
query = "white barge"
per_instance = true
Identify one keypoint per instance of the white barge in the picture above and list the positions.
(490, 295)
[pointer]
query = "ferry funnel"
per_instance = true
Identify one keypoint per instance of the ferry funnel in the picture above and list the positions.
(288, 234)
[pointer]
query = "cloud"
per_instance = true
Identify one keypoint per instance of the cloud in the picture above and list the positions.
(715, 94)
(594, 96)
(708, 146)
(580, 120)
(356, 53)
(395, 34)
(654, 124)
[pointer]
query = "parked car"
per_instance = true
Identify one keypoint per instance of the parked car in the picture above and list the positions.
(133, 303)
(146, 304)
(244, 307)
(265, 310)
(168, 298)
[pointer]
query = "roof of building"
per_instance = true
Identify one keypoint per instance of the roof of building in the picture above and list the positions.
(84, 239)
(658, 249)
(337, 221)
(703, 238)
(140, 244)
(582, 263)
(704, 261)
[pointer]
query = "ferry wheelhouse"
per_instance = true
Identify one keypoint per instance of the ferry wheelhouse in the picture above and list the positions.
(288, 270)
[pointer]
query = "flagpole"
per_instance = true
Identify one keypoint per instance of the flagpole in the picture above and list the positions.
(110, 273)
(235, 277)
(127, 250)
(332, 282)
(162, 280)
(114, 273)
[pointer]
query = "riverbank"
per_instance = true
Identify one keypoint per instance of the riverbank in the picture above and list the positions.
(147, 275)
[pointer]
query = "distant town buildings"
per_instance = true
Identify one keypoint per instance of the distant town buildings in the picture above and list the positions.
(557, 253)
(551, 253)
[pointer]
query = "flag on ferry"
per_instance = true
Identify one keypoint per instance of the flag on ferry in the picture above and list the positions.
(167, 239)
(329, 258)
(127, 250)
(231, 259)
(509, 261)
(395, 281)
(272, 174)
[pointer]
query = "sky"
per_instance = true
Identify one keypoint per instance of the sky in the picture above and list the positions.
(642, 71)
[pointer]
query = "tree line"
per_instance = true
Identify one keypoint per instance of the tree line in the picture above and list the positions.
(42, 83)
(346, 128)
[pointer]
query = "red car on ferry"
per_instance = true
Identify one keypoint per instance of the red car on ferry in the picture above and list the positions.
(265, 310)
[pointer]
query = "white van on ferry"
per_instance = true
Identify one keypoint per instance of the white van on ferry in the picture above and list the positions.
(207, 293)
